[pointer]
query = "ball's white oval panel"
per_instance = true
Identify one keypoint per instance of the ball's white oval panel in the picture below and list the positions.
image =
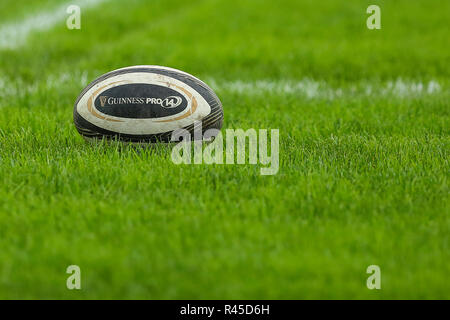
(197, 108)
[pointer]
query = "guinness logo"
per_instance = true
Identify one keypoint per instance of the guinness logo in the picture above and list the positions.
(143, 101)
(103, 100)
(169, 102)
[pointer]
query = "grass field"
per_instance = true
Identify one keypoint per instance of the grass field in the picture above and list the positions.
(364, 154)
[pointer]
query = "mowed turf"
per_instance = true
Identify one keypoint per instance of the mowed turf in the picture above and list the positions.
(363, 177)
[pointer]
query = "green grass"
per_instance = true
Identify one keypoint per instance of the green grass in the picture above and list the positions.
(10, 10)
(363, 178)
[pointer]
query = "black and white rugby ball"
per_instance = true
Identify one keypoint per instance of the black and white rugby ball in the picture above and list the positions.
(145, 104)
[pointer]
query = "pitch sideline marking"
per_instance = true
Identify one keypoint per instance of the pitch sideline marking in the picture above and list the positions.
(14, 34)
(311, 89)
(306, 88)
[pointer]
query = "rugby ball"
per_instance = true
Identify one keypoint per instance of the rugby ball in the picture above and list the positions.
(145, 104)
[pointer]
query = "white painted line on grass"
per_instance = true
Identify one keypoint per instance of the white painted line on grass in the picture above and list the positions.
(311, 89)
(305, 88)
(14, 34)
